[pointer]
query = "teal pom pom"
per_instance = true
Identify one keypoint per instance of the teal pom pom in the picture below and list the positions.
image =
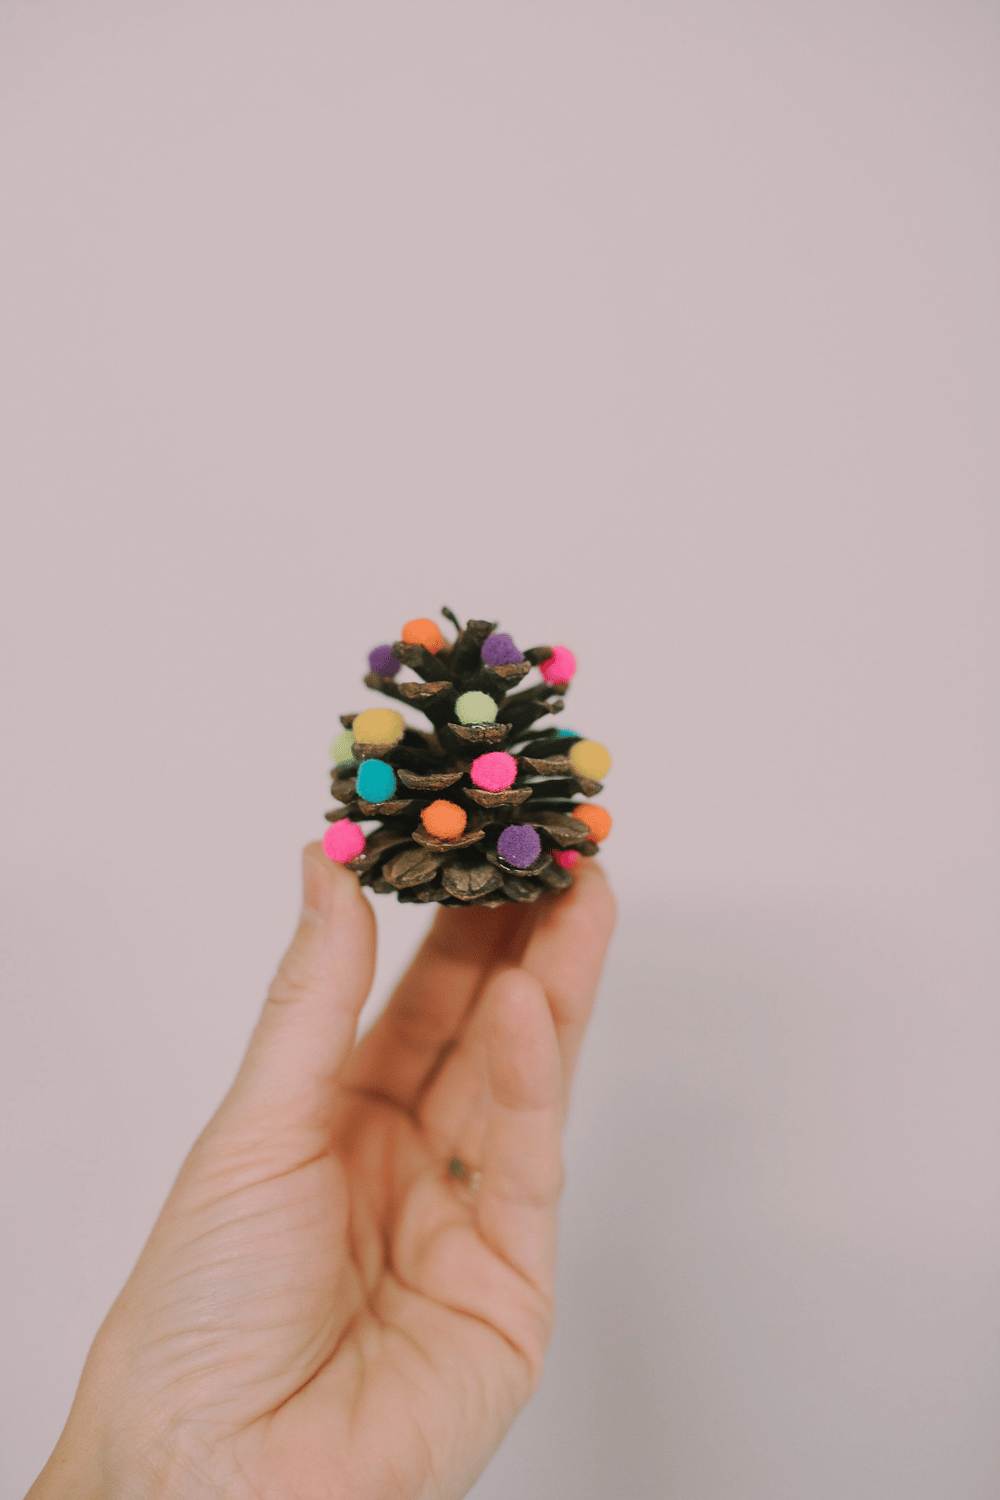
(376, 781)
(567, 734)
(475, 708)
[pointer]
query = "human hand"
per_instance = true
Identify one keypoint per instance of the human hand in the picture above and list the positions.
(349, 1290)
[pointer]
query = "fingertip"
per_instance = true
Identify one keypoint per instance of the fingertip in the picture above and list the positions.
(587, 906)
(519, 1002)
(592, 884)
(326, 884)
(460, 930)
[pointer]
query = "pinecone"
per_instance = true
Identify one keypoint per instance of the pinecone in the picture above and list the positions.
(481, 808)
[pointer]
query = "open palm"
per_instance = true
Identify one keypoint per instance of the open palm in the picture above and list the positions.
(349, 1290)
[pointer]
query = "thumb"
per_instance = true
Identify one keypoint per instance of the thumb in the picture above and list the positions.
(309, 1021)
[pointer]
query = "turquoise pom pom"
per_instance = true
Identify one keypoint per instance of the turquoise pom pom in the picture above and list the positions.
(475, 708)
(376, 781)
(567, 734)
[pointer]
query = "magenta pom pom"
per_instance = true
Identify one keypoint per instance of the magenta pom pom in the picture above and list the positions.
(494, 772)
(498, 650)
(382, 661)
(567, 858)
(560, 666)
(343, 841)
(519, 846)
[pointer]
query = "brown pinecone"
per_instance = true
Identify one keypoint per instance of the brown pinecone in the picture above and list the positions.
(478, 812)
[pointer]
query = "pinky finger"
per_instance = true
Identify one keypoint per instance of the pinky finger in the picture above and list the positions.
(522, 1172)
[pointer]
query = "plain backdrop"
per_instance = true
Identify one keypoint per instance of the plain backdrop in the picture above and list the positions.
(668, 331)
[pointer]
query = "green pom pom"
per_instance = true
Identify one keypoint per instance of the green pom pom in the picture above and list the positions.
(476, 708)
(342, 749)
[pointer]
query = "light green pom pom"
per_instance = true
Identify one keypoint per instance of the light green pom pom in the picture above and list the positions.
(342, 749)
(476, 708)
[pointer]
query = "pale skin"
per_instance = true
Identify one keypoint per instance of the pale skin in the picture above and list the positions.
(349, 1291)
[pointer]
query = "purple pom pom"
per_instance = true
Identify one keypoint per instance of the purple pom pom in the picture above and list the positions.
(519, 846)
(382, 661)
(499, 651)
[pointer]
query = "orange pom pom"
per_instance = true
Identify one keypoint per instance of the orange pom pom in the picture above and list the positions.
(423, 633)
(597, 819)
(444, 820)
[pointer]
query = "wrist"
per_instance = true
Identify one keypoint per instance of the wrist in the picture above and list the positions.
(86, 1465)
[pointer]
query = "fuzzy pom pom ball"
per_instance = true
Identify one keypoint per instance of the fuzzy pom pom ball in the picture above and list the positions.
(343, 841)
(444, 820)
(423, 633)
(378, 726)
(588, 758)
(376, 780)
(519, 845)
(475, 708)
(567, 859)
(498, 650)
(597, 819)
(382, 661)
(560, 666)
(494, 772)
(342, 749)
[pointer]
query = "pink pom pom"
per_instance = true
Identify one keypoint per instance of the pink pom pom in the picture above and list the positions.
(567, 857)
(494, 772)
(343, 841)
(560, 666)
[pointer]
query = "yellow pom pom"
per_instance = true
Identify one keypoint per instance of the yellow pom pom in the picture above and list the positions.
(587, 758)
(378, 726)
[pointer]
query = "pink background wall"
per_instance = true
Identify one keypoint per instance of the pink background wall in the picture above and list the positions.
(666, 330)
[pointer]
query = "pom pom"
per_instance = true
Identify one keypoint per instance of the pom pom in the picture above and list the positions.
(519, 845)
(560, 666)
(376, 781)
(382, 661)
(494, 772)
(475, 708)
(597, 819)
(567, 734)
(567, 859)
(378, 726)
(498, 650)
(444, 820)
(587, 758)
(342, 749)
(343, 841)
(423, 633)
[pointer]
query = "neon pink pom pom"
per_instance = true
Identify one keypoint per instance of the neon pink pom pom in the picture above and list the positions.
(567, 857)
(494, 772)
(343, 841)
(560, 666)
